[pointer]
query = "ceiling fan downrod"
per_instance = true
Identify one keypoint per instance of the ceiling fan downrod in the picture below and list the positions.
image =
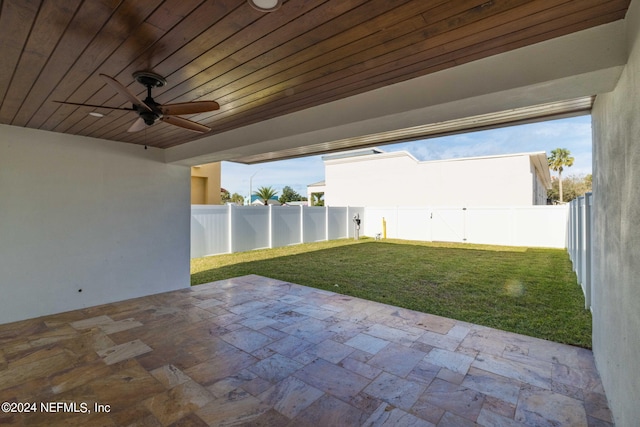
(149, 80)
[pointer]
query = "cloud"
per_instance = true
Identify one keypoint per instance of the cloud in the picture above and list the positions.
(572, 133)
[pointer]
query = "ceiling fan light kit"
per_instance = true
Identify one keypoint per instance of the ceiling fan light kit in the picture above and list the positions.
(265, 5)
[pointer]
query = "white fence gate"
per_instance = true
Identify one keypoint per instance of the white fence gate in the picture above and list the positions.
(536, 226)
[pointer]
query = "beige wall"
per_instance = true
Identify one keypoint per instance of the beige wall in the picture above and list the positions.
(616, 235)
(205, 184)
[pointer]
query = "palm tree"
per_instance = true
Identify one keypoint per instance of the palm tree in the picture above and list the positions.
(558, 160)
(265, 193)
(316, 199)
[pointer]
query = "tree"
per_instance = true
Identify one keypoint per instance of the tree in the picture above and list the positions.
(231, 198)
(558, 160)
(237, 199)
(573, 186)
(225, 197)
(265, 193)
(290, 195)
(316, 199)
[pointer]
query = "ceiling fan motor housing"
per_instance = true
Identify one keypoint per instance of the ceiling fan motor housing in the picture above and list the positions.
(149, 80)
(149, 117)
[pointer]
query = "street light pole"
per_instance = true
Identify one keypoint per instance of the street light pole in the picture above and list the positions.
(251, 185)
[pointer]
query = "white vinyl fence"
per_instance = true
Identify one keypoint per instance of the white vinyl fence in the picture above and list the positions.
(579, 242)
(535, 226)
(227, 229)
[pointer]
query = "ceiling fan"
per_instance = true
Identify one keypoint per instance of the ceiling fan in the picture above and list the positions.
(149, 111)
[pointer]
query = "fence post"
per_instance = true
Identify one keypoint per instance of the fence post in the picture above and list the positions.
(270, 231)
(577, 236)
(569, 225)
(576, 231)
(230, 227)
(571, 228)
(301, 224)
(326, 223)
(587, 253)
(580, 243)
(572, 219)
(347, 218)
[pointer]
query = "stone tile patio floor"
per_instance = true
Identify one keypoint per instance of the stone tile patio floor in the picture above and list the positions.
(258, 351)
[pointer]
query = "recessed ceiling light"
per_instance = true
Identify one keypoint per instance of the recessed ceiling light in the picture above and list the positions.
(96, 114)
(265, 5)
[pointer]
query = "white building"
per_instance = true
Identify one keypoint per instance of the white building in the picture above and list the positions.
(373, 177)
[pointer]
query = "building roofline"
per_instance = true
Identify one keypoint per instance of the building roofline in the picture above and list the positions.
(492, 156)
(537, 158)
(379, 154)
(352, 153)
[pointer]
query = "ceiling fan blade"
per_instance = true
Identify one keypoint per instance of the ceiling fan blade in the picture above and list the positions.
(188, 108)
(118, 87)
(184, 123)
(94, 106)
(137, 126)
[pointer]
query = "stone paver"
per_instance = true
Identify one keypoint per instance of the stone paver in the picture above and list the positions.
(259, 351)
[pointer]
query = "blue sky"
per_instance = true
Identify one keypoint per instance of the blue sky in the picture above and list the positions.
(573, 134)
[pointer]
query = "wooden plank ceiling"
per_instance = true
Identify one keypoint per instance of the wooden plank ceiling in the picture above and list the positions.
(255, 65)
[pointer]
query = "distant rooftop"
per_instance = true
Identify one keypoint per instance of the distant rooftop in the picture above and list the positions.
(352, 153)
(255, 198)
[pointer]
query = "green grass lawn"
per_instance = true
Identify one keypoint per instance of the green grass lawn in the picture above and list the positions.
(529, 291)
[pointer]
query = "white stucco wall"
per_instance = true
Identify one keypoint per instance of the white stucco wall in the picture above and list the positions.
(616, 235)
(108, 218)
(372, 180)
(539, 191)
(398, 179)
